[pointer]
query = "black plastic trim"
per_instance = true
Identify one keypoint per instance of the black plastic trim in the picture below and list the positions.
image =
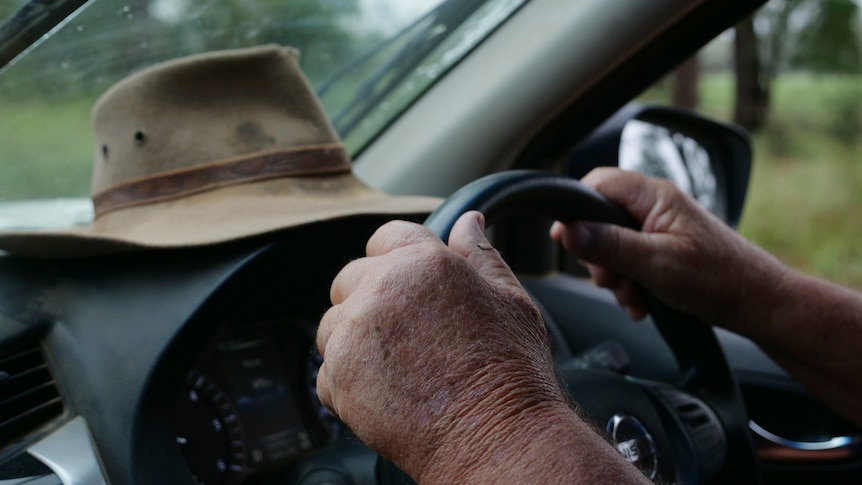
(609, 93)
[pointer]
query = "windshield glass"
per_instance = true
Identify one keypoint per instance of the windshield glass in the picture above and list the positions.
(368, 59)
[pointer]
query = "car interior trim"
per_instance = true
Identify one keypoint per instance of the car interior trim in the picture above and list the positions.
(834, 443)
(32, 23)
(509, 65)
(70, 454)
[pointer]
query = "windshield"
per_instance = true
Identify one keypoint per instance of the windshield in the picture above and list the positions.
(368, 59)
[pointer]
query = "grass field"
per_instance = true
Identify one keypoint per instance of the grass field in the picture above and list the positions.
(803, 204)
(45, 149)
(805, 196)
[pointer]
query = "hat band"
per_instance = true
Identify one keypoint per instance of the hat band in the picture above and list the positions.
(311, 160)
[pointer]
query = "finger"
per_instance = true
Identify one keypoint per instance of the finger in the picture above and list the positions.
(629, 297)
(558, 230)
(467, 238)
(602, 276)
(349, 279)
(328, 323)
(568, 235)
(398, 234)
(618, 249)
(637, 312)
(634, 192)
(324, 389)
(626, 291)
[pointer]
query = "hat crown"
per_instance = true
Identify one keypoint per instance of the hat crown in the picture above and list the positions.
(205, 109)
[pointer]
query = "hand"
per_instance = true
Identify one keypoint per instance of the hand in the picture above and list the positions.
(686, 257)
(433, 354)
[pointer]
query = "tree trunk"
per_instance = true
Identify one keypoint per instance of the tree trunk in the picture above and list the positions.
(686, 84)
(752, 96)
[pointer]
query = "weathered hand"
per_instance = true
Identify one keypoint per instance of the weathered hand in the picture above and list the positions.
(429, 350)
(693, 262)
(684, 255)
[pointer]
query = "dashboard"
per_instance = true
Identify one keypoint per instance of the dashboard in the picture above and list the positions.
(250, 402)
(185, 363)
(198, 365)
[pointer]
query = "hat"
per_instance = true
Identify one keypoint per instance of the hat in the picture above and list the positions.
(208, 149)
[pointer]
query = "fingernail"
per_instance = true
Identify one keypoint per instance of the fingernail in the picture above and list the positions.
(480, 221)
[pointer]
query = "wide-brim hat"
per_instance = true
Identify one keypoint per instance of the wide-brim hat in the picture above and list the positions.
(209, 149)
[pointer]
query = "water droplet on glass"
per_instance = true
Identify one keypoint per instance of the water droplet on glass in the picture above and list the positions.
(80, 28)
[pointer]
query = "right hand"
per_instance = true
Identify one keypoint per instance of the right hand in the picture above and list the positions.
(686, 257)
(436, 357)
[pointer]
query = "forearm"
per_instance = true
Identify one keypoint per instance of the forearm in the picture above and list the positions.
(813, 328)
(548, 444)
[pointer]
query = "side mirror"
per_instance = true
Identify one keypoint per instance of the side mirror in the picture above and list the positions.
(710, 161)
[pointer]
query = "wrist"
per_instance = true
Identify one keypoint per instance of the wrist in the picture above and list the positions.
(500, 448)
(765, 286)
(546, 443)
(491, 429)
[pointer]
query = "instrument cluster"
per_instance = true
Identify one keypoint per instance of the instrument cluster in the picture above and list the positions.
(250, 403)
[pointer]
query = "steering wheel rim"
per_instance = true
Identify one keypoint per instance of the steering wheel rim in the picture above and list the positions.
(703, 367)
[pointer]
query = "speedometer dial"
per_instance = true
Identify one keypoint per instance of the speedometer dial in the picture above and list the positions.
(246, 413)
(210, 434)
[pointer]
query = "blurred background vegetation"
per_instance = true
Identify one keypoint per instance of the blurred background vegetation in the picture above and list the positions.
(792, 76)
(46, 95)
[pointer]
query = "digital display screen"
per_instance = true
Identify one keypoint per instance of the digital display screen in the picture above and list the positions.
(256, 379)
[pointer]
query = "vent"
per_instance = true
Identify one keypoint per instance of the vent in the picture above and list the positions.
(28, 395)
(703, 426)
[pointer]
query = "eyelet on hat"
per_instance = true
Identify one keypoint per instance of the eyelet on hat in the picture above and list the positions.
(140, 138)
(105, 152)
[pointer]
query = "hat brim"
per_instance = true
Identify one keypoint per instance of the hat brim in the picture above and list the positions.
(217, 216)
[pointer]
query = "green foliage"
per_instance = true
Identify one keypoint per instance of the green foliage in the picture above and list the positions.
(804, 195)
(112, 38)
(830, 43)
(803, 209)
(47, 150)
(46, 96)
(8, 7)
(811, 35)
(778, 36)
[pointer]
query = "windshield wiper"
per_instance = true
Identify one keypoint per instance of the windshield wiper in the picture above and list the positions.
(29, 24)
(422, 37)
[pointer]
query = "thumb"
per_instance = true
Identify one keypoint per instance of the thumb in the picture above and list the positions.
(467, 238)
(616, 248)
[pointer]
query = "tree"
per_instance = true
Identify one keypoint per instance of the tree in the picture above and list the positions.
(815, 35)
(686, 84)
(763, 45)
(830, 42)
(752, 94)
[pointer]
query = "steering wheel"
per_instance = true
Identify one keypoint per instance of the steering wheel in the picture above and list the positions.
(699, 422)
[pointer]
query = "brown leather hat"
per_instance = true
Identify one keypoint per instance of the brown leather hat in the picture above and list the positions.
(212, 148)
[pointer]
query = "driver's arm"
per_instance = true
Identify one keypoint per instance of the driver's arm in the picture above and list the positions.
(436, 358)
(695, 263)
